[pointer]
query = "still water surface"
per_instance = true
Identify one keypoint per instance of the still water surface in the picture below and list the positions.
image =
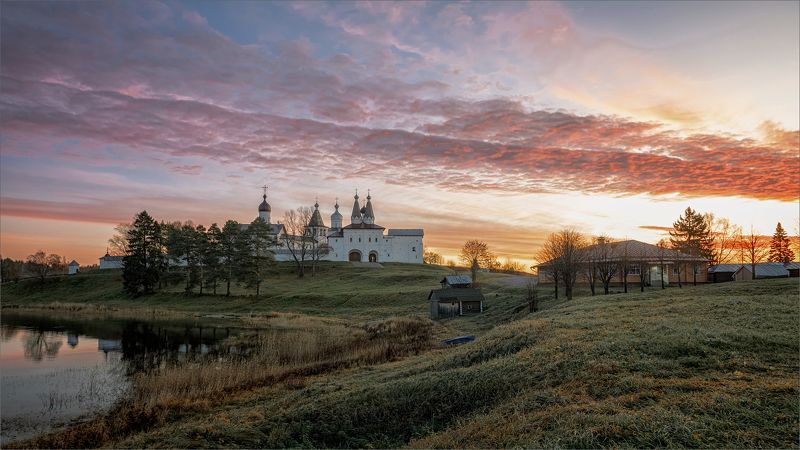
(56, 367)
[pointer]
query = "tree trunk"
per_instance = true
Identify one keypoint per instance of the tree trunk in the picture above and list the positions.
(641, 277)
(625, 279)
(694, 275)
(662, 276)
(556, 286)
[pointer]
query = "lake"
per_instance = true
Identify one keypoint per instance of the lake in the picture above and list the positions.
(58, 367)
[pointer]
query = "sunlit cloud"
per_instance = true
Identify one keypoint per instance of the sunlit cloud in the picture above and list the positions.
(111, 108)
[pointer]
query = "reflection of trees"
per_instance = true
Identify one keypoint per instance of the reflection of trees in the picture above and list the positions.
(38, 345)
(8, 333)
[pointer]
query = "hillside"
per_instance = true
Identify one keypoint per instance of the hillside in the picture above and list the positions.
(712, 366)
(705, 366)
(337, 290)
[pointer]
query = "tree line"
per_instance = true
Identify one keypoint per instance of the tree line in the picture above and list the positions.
(156, 254)
(697, 235)
(569, 254)
(39, 265)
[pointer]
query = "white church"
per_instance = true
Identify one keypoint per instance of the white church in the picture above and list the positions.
(362, 240)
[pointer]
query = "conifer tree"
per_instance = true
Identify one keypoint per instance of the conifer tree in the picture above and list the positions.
(141, 264)
(256, 253)
(201, 245)
(228, 246)
(779, 247)
(212, 257)
(691, 234)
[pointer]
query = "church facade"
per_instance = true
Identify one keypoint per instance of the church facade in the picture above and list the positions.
(361, 240)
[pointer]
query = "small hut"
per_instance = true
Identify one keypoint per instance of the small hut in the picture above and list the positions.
(73, 267)
(457, 297)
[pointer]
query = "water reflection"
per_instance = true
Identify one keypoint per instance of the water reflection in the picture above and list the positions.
(44, 382)
(40, 344)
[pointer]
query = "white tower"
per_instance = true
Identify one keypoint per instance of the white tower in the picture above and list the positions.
(336, 217)
(264, 209)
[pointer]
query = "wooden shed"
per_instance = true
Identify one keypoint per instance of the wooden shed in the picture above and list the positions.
(450, 302)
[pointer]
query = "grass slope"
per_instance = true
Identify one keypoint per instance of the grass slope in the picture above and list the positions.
(711, 366)
(705, 366)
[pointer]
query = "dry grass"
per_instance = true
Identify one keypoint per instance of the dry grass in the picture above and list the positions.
(274, 356)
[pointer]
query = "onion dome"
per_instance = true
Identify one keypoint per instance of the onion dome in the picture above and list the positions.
(264, 206)
(336, 214)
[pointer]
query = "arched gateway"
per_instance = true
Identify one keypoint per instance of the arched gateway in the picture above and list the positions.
(355, 255)
(373, 256)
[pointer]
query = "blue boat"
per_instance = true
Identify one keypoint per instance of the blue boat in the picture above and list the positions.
(458, 340)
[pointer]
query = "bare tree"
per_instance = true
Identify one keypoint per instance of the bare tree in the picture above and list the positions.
(118, 243)
(546, 257)
(475, 254)
(677, 267)
(431, 257)
(624, 263)
(531, 295)
(754, 249)
(318, 249)
(604, 262)
(565, 252)
(41, 264)
(663, 248)
(726, 237)
(295, 238)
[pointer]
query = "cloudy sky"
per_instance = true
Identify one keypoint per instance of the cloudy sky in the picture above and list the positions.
(498, 121)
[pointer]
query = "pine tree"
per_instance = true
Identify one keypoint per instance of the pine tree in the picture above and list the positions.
(229, 239)
(212, 257)
(779, 250)
(141, 265)
(691, 234)
(259, 258)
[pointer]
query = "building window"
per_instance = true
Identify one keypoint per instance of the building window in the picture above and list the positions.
(696, 270)
(413, 249)
(359, 239)
(676, 270)
(351, 239)
(634, 270)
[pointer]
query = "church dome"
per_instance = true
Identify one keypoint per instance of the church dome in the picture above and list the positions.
(336, 214)
(264, 206)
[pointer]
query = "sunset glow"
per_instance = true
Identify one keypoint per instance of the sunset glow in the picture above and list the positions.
(497, 121)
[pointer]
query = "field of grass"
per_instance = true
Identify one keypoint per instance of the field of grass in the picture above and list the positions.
(706, 366)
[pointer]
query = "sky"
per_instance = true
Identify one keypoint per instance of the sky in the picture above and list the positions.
(490, 120)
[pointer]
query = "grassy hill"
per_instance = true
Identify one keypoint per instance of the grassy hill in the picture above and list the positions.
(706, 366)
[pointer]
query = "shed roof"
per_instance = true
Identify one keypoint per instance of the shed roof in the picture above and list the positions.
(456, 279)
(462, 295)
(73, 263)
(767, 270)
(112, 258)
(635, 251)
(724, 268)
(791, 265)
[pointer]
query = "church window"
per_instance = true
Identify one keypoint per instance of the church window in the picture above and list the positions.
(413, 249)
(351, 239)
(359, 239)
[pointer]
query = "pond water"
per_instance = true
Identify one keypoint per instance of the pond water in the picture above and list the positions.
(56, 368)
